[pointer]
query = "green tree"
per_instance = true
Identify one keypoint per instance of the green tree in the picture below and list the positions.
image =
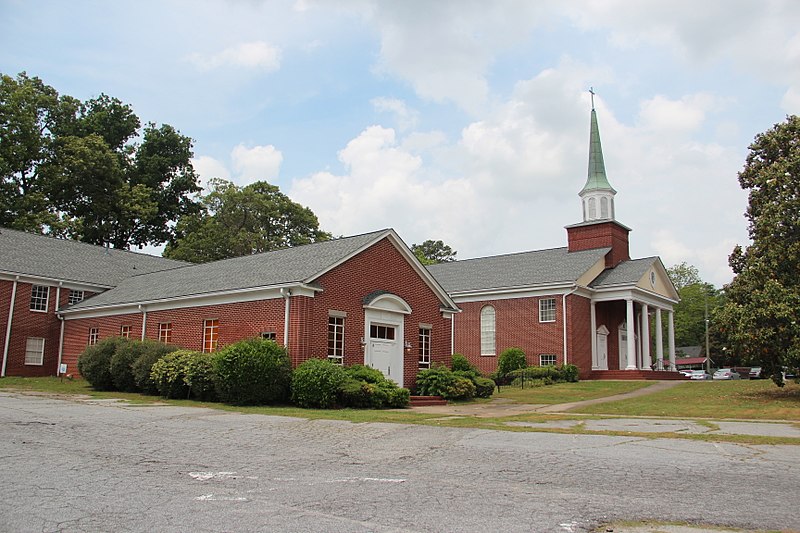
(431, 252)
(698, 300)
(78, 168)
(762, 311)
(239, 221)
(684, 274)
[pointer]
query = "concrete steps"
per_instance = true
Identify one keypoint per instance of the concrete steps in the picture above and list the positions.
(649, 375)
(420, 401)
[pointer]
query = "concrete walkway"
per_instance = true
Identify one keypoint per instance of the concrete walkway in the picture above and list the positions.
(503, 407)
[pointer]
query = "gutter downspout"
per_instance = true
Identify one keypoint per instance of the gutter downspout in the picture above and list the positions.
(61, 333)
(452, 333)
(8, 326)
(286, 293)
(143, 309)
(564, 317)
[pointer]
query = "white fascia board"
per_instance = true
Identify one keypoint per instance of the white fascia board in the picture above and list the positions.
(636, 293)
(398, 243)
(513, 292)
(227, 297)
(42, 280)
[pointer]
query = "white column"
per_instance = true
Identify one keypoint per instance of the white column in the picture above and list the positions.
(671, 339)
(646, 359)
(659, 341)
(630, 333)
(593, 333)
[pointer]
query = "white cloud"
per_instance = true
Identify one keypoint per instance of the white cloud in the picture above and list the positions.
(208, 168)
(405, 116)
(256, 55)
(683, 115)
(259, 163)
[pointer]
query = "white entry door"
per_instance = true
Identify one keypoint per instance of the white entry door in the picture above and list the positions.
(384, 349)
(602, 349)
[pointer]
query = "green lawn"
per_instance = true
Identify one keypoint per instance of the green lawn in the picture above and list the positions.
(758, 399)
(569, 392)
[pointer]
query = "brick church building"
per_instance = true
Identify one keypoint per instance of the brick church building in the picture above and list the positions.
(360, 299)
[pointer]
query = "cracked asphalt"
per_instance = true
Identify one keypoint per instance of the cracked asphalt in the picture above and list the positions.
(109, 466)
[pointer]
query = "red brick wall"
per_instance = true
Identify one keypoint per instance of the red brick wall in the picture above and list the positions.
(380, 267)
(601, 235)
(236, 321)
(611, 315)
(579, 333)
(26, 324)
(516, 326)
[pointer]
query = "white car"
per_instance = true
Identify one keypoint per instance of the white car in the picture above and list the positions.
(726, 373)
(699, 375)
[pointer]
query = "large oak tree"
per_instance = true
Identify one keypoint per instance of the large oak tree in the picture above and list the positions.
(86, 170)
(237, 221)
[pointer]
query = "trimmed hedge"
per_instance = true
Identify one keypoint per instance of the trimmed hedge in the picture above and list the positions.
(441, 381)
(185, 374)
(316, 383)
(94, 364)
(149, 352)
(253, 372)
(548, 374)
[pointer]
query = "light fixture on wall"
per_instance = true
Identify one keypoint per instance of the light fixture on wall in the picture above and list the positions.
(408, 347)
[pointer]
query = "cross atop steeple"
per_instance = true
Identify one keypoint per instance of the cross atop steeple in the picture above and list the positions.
(597, 195)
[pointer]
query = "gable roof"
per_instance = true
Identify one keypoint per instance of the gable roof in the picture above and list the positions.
(299, 265)
(524, 269)
(42, 256)
(627, 272)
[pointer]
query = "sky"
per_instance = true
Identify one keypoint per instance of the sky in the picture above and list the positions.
(464, 121)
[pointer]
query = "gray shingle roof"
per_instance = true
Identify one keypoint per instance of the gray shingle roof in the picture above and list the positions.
(515, 270)
(626, 272)
(290, 265)
(63, 259)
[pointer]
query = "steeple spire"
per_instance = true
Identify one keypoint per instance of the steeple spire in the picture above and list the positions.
(598, 194)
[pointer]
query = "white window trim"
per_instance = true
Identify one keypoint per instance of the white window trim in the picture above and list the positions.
(542, 311)
(548, 355)
(213, 331)
(28, 350)
(424, 358)
(166, 327)
(71, 300)
(338, 325)
(46, 299)
(94, 336)
(485, 350)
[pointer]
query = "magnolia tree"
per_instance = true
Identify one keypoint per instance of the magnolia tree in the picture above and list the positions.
(762, 309)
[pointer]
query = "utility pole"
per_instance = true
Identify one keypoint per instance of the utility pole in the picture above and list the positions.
(708, 355)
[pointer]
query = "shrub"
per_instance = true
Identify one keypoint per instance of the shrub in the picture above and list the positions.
(460, 389)
(434, 381)
(122, 367)
(200, 377)
(510, 360)
(149, 352)
(365, 373)
(441, 381)
(169, 374)
(570, 373)
(94, 364)
(484, 387)
(252, 372)
(368, 388)
(316, 383)
(462, 364)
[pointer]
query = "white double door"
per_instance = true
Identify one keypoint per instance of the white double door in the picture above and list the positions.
(384, 346)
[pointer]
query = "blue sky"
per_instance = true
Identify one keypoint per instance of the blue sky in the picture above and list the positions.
(466, 121)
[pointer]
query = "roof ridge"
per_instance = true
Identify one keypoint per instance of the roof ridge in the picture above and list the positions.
(75, 241)
(458, 261)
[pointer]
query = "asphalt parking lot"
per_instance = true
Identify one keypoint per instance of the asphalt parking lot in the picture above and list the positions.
(109, 466)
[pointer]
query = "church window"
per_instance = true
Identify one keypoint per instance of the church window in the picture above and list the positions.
(592, 209)
(547, 310)
(603, 207)
(488, 331)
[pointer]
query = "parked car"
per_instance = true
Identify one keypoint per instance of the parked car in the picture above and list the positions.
(687, 373)
(699, 375)
(755, 373)
(726, 373)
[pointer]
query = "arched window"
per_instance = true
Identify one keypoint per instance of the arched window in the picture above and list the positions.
(592, 209)
(603, 207)
(488, 331)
